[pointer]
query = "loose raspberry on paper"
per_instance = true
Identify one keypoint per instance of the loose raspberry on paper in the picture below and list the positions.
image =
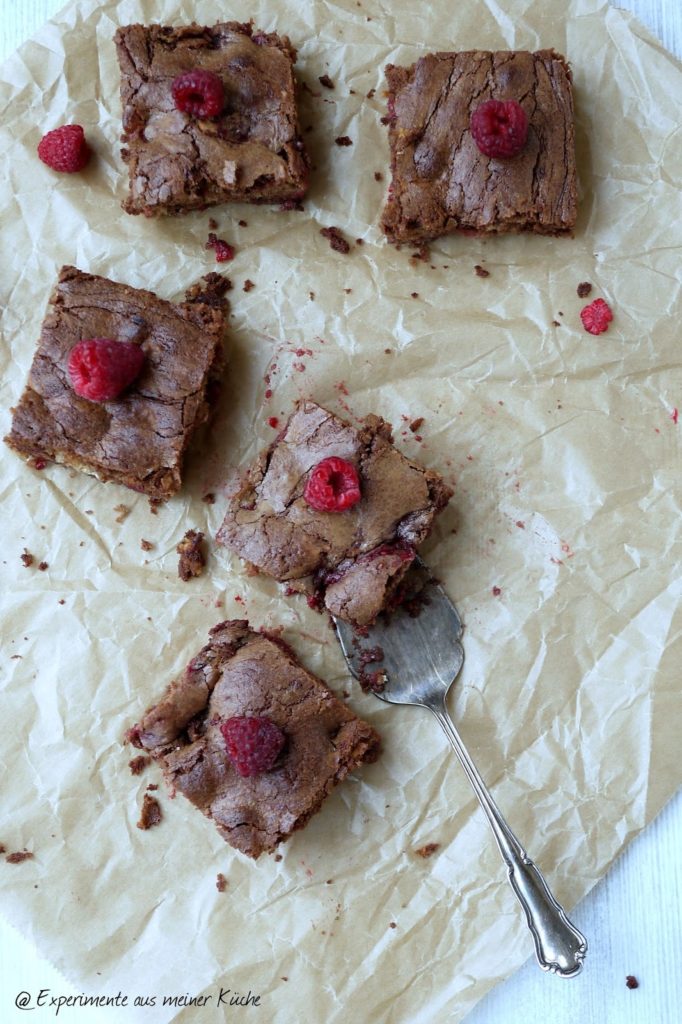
(333, 486)
(253, 744)
(499, 128)
(199, 93)
(100, 368)
(224, 252)
(596, 317)
(65, 149)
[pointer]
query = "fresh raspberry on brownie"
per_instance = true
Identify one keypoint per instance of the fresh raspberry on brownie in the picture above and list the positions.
(348, 548)
(252, 738)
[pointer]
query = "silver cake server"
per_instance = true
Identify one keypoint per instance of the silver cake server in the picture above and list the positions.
(413, 656)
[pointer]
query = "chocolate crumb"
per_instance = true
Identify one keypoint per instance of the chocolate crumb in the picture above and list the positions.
(284, 978)
(192, 559)
(336, 239)
(326, 81)
(138, 764)
(555, 323)
(150, 814)
(122, 511)
(243, 223)
(43, 566)
(152, 785)
(248, 285)
(2, 848)
(584, 289)
(414, 295)
(427, 850)
(278, 856)
(61, 601)
(212, 224)
(378, 176)
(392, 924)
(348, 290)
(631, 981)
(311, 296)
(27, 558)
(155, 503)
(210, 291)
(343, 140)
(416, 424)
(370, 94)
(481, 271)
(17, 858)
(146, 545)
(359, 241)
(221, 882)
(330, 881)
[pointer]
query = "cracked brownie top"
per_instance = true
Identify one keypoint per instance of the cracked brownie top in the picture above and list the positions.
(442, 182)
(251, 151)
(351, 560)
(241, 673)
(138, 439)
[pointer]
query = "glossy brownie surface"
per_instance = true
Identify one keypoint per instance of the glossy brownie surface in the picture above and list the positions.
(350, 560)
(140, 438)
(244, 673)
(441, 181)
(252, 152)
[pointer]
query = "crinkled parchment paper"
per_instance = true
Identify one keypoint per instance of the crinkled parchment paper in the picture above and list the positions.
(564, 452)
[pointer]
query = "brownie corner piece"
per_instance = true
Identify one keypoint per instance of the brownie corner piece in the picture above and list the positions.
(441, 181)
(138, 439)
(244, 674)
(351, 562)
(252, 151)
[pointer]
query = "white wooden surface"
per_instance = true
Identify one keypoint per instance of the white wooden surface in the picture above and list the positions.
(633, 918)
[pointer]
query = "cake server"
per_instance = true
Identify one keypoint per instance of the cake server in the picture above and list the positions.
(415, 658)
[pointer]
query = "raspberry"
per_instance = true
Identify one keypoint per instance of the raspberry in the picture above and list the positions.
(199, 93)
(100, 369)
(333, 486)
(64, 149)
(499, 128)
(223, 250)
(253, 744)
(596, 317)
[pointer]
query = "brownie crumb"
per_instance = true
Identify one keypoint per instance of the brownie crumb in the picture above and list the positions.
(221, 882)
(138, 764)
(212, 224)
(584, 289)
(330, 881)
(370, 94)
(378, 176)
(336, 239)
(192, 559)
(326, 81)
(155, 504)
(631, 981)
(422, 255)
(146, 545)
(210, 290)
(43, 566)
(152, 785)
(311, 296)
(348, 290)
(555, 323)
(3, 848)
(481, 271)
(19, 856)
(278, 856)
(414, 295)
(343, 140)
(209, 499)
(284, 978)
(392, 924)
(243, 223)
(359, 241)
(416, 424)
(122, 511)
(427, 850)
(27, 558)
(61, 601)
(150, 814)
(248, 285)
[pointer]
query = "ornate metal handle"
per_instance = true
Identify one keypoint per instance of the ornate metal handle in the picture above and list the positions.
(559, 946)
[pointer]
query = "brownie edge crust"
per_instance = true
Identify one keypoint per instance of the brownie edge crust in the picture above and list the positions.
(442, 183)
(244, 673)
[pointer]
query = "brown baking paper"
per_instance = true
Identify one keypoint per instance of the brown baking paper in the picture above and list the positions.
(561, 545)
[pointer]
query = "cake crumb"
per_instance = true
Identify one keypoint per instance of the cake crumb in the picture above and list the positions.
(555, 323)
(212, 224)
(243, 223)
(122, 512)
(19, 856)
(326, 81)
(343, 140)
(209, 498)
(150, 814)
(284, 977)
(359, 241)
(278, 857)
(584, 289)
(221, 882)
(631, 981)
(152, 786)
(481, 271)
(43, 566)
(3, 848)
(370, 94)
(27, 558)
(146, 545)
(336, 239)
(392, 924)
(192, 559)
(378, 176)
(311, 296)
(427, 850)
(138, 764)
(248, 285)
(154, 505)
(414, 295)
(416, 424)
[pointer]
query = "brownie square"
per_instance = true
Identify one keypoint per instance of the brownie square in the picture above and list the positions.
(350, 561)
(242, 673)
(140, 438)
(442, 182)
(252, 152)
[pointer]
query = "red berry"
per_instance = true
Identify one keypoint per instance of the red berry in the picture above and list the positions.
(253, 744)
(64, 149)
(199, 93)
(333, 486)
(100, 369)
(596, 317)
(499, 128)
(223, 250)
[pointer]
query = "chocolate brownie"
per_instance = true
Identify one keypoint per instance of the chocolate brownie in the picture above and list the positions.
(241, 673)
(352, 561)
(140, 438)
(442, 182)
(252, 151)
